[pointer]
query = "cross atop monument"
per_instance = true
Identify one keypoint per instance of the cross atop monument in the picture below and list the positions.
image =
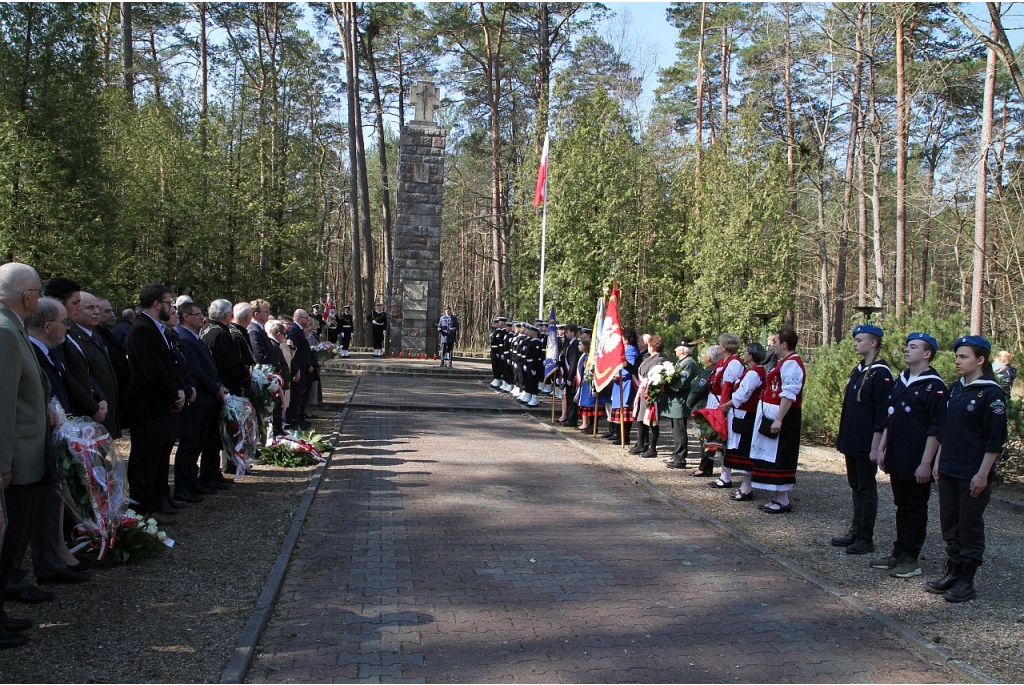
(427, 101)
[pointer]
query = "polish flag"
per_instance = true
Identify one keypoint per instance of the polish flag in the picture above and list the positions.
(611, 353)
(542, 176)
(329, 309)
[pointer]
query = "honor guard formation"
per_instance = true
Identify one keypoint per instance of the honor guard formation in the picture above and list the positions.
(745, 402)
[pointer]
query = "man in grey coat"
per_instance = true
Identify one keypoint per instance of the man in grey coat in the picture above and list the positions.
(23, 429)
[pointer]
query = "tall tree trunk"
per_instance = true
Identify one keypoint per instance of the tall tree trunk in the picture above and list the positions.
(902, 134)
(543, 72)
(353, 171)
(493, 39)
(823, 294)
(981, 194)
(204, 70)
(839, 319)
(127, 52)
(382, 155)
(700, 87)
(366, 238)
(724, 126)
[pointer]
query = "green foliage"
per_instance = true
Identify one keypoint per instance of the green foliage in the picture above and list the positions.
(284, 456)
(133, 545)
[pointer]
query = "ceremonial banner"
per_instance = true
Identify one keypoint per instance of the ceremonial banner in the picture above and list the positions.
(611, 352)
(551, 357)
(542, 176)
(595, 338)
(329, 308)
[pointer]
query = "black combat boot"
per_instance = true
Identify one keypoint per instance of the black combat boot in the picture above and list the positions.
(847, 538)
(938, 587)
(863, 544)
(964, 588)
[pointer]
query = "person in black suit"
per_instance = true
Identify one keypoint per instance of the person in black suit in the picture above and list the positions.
(258, 340)
(101, 369)
(232, 366)
(120, 331)
(203, 412)
(155, 392)
(115, 348)
(302, 373)
(240, 332)
(86, 399)
(181, 426)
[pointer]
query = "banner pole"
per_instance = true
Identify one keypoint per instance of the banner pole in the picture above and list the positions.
(622, 416)
(543, 249)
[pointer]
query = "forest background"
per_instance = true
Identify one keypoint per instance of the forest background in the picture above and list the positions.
(797, 161)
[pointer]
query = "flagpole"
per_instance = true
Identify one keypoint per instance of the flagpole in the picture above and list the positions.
(543, 249)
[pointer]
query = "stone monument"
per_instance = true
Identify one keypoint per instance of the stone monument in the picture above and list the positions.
(416, 282)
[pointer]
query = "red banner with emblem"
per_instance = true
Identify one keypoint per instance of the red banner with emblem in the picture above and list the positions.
(611, 354)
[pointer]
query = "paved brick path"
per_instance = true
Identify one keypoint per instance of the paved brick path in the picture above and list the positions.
(452, 547)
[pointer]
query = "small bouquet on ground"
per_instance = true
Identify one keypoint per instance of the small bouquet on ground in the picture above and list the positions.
(295, 451)
(93, 483)
(264, 393)
(324, 351)
(138, 539)
(239, 431)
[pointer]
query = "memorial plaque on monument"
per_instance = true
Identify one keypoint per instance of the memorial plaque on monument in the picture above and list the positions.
(416, 293)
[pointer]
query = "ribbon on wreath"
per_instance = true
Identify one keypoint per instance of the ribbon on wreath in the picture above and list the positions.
(300, 445)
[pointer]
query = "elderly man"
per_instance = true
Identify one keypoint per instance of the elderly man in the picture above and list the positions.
(231, 363)
(240, 331)
(121, 329)
(115, 348)
(51, 560)
(23, 428)
(156, 391)
(101, 368)
(86, 397)
(302, 373)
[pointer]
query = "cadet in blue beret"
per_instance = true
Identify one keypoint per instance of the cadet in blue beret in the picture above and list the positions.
(860, 436)
(971, 439)
(916, 411)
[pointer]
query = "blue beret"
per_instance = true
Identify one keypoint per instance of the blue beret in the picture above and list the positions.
(924, 337)
(973, 341)
(868, 328)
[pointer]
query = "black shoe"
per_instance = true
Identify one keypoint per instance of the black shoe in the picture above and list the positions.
(636, 449)
(203, 490)
(9, 640)
(64, 576)
(80, 567)
(187, 496)
(170, 500)
(739, 496)
(964, 590)
(163, 507)
(215, 485)
(649, 454)
(673, 464)
(721, 484)
(29, 594)
(845, 540)
(946, 582)
(862, 545)
(17, 625)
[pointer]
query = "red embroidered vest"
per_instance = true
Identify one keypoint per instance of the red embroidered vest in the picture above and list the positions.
(773, 383)
(755, 397)
(715, 381)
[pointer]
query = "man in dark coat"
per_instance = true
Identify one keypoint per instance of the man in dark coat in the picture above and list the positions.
(101, 368)
(231, 364)
(258, 340)
(302, 374)
(86, 397)
(115, 348)
(154, 393)
(203, 413)
(379, 325)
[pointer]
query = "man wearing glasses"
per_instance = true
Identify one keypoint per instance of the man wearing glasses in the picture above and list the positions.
(154, 393)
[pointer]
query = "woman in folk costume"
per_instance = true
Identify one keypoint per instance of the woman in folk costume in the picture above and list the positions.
(623, 392)
(775, 448)
(586, 398)
(723, 381)
(646, 414)
(741, 408)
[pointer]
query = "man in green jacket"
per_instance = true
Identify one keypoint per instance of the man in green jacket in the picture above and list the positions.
(698, 399)
(676, 407)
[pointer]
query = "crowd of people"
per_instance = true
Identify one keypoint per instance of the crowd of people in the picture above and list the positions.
(161, 373)
(746, 402)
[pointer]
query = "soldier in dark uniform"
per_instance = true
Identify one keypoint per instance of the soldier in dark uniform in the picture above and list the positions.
(865, 406)
(972, 438)
(379, 325)
(916, 411)
(508, 377)
(448, 327)
(530, 351)
(497, 339)
(346, 326)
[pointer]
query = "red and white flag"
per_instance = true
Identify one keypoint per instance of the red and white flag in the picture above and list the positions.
(611, 354)
(542, 176)
(329, 309)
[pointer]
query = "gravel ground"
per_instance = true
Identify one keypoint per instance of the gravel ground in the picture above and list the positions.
(175, 618)
(987, 632)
